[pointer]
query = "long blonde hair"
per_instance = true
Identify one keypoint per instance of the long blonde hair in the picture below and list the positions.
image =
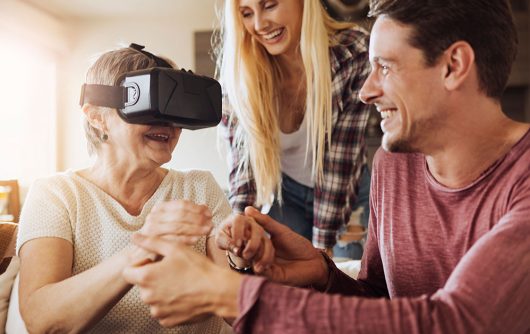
(250, 77)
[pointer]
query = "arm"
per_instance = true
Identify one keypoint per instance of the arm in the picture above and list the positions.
(45, 246)
(488, 292)
(346, 155)
(46, 236)
(45, 276)
(242, 192)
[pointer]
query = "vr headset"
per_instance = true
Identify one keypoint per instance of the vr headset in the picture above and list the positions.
(160, 96)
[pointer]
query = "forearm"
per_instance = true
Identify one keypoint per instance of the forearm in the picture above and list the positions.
(488, 292)
(281, 309)
(79, 302)
(225, 300)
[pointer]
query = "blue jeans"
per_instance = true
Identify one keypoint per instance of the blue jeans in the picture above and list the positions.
(297, 211)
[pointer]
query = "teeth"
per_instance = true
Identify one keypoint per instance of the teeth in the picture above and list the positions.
(159, 136)
(273, 34)
(386, 113)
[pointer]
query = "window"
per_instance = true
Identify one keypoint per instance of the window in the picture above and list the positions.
(27, 110)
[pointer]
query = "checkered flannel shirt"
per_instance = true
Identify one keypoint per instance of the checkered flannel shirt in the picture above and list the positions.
(335, 195)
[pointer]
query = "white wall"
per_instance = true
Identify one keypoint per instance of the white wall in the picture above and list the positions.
(40, 37)
(22, 20)
(171, 37)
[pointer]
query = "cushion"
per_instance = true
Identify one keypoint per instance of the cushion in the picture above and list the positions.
(7, 243)
(6, 283)
(15, 324)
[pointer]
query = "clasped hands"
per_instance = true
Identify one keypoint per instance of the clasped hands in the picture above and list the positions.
(181, 285)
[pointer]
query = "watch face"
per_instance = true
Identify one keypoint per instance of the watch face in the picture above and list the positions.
(347, 10)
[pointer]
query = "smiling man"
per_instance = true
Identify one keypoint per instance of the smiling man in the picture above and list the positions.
(448, 249)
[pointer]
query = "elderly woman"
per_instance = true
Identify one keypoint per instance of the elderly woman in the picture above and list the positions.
(74, 238)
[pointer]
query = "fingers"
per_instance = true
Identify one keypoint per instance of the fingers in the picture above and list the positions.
(223, 240)
(266, 257)
(254, 241)
(176, 205)
(179, 217)
(270, 225)
(232, 233)
(238, 232)
(139, 256)
(156, 245)
(136, 275)
(183, 224)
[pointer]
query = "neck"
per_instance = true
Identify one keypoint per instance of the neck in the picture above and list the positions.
(292, 66)
(471, 147)
(130, 186)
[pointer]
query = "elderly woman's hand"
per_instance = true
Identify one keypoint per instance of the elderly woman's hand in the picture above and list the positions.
(246, 239)
(179, 220)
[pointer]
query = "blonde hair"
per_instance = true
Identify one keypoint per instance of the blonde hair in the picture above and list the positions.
(106, 70)
(250, 77)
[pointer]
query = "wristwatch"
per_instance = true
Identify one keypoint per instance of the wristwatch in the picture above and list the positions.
(243, 270)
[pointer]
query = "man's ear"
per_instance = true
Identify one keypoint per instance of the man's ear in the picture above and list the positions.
(94, 117)
(459, 61)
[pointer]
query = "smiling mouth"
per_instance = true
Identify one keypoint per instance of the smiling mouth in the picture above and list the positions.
(273, 34)
(387, 113)
(159, 137)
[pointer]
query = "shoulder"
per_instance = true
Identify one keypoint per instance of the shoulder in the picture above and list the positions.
(199, 186)
(355, 37)
(349, 43)
(396, 163)
(192, 179)
(57, 183)
(349, 54)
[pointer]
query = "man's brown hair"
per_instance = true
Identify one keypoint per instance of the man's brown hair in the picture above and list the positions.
(487, 25)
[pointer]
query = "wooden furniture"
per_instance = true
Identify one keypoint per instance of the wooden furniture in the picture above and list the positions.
(8, 238)
(14, 198)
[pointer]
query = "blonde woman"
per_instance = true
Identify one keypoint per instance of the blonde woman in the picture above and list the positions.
(292, 116)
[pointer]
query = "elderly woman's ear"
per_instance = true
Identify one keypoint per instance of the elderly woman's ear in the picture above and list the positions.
(94, 116)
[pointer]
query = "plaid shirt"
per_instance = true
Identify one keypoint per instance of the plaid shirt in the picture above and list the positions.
(335, 195)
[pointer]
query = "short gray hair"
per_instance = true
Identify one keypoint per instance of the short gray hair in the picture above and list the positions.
(106, 70)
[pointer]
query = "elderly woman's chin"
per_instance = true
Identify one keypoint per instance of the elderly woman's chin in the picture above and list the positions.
(163, 158)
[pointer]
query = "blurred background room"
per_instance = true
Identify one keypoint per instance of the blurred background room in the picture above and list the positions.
(46, 47)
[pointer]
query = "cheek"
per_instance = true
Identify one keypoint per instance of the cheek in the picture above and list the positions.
(248, 25)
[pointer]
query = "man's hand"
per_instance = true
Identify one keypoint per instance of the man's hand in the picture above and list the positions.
(183, 286)
(296, 261)
(246, 239)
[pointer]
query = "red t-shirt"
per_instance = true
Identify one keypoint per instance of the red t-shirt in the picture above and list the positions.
(444, 260)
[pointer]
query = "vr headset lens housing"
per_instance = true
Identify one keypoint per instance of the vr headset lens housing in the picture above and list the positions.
(161, 96)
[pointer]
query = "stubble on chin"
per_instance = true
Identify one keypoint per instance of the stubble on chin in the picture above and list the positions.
(400, 146)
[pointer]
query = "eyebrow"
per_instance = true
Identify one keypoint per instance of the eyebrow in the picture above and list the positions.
(259, 3)
(378, 59)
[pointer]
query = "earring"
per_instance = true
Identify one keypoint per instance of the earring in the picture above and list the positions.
(104, 137)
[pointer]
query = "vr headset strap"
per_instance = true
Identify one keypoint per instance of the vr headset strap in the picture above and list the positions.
(104, 96)
(159, 61)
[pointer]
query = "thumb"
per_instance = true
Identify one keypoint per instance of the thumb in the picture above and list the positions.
(270, 225)
(224, 242)
(155, 244)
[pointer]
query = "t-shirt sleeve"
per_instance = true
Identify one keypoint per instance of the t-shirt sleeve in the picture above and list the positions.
(45, 213)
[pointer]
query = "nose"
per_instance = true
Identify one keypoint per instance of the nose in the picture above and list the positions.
(370, 91)
(260, 22)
